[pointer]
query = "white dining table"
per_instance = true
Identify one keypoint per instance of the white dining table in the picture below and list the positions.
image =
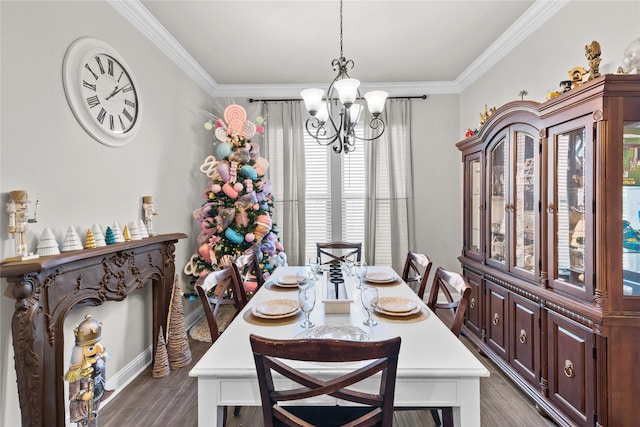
(435, 369)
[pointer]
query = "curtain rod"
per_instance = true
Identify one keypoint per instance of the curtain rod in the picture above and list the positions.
(251, 100)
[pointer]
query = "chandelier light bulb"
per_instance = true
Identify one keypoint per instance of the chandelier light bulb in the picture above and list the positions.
(375, 101)
(312, 99)
(347, 90)
(323, 113)
(354, 113)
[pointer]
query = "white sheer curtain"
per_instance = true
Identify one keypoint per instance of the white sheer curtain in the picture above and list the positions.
(284, 149)
(389, 213)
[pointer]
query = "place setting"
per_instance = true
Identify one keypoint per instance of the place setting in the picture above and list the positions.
(399, 309)
(289, 282)
(278, 311)
(380, 278)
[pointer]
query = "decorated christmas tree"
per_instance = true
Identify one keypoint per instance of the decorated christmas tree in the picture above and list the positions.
(235, 217)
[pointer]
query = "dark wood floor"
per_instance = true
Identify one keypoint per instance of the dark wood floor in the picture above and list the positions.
(172, 401)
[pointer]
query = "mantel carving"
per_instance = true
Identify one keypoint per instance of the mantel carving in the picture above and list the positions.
(46, 289)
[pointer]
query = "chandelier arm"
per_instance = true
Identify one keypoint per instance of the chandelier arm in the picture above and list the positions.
(375, 123)
(320, 138)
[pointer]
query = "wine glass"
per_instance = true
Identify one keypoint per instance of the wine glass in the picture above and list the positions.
(349, 262)
(314, 263)
(369, 297)
(361, 272)
(307, 300)
(303, 279)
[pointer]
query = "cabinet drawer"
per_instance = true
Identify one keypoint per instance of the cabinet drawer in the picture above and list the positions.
(571, 368)
(473, 318)
(496, 320)
(524, 337)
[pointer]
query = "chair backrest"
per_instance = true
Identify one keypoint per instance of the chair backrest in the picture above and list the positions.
(338, 251)
(441, 279)
(228, 278)
(250, 272)
(416, 269)
(383, 357)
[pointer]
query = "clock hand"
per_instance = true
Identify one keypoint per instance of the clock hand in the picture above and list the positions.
(116, 91)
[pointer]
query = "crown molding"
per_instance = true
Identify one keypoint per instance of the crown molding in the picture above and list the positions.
(523, 27)
(140, 17)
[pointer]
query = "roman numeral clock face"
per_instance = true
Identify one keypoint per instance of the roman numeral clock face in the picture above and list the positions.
(109, 94)
(101, 91)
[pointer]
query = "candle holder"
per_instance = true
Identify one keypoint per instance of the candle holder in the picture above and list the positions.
(18, 210)
(149, 209)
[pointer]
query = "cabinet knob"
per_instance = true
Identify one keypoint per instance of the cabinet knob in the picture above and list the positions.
(523, 336)
(496, 318)
(568, 368)
(472, 303)
(550, 208)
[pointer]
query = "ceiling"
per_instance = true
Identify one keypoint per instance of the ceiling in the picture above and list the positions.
(266, 47)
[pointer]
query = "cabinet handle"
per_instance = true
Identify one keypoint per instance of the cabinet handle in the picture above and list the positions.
(496, 318)
(523, 336)
(472, 303)
(550, 208)
(568, 368)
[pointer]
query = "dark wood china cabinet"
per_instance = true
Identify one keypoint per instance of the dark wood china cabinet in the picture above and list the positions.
(551, 248)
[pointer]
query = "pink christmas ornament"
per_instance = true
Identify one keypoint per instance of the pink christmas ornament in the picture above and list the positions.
(238, 187)
(233, 172)
(260, 129)
(216, 188)
(230, 191)
(234, 112)
(249, 237)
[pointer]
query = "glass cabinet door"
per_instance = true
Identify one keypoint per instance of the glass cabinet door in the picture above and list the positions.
(525, 203)
(570, 196)
(473, 207)
(631, 210)
(497, 203)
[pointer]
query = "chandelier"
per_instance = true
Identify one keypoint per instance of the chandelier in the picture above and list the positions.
(334, 124)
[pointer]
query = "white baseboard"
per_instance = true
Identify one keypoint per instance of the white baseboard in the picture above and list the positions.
(124, 376)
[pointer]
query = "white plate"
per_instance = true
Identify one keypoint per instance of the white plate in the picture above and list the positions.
(396, 304)
(277, 307)
(405, 313)
(287, 281)
(280, 316)
(335, 332)
(379, 277)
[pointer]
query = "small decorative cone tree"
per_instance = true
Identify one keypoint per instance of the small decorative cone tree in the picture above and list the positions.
(117, 233)
(89, 241)
(126, 234)
(71, 241)
(47, 244)
(178, 345)
(109, 238)
(98, 236)
(161, 363)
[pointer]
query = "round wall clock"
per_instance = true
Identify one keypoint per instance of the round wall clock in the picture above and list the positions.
(101, 91)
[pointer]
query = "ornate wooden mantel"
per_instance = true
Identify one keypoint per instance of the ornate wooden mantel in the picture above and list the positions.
(46, 289)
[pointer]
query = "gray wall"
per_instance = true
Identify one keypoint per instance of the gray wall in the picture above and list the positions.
(79, 181)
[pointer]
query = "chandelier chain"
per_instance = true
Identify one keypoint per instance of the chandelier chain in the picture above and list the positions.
(341, 54)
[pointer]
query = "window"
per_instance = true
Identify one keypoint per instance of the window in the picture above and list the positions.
(335, 194)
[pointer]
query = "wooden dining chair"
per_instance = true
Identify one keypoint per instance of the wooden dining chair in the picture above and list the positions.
(338, 251)
(416, 270)
(227, 278)
(382, 356)
(442, 282)
(250, 272)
